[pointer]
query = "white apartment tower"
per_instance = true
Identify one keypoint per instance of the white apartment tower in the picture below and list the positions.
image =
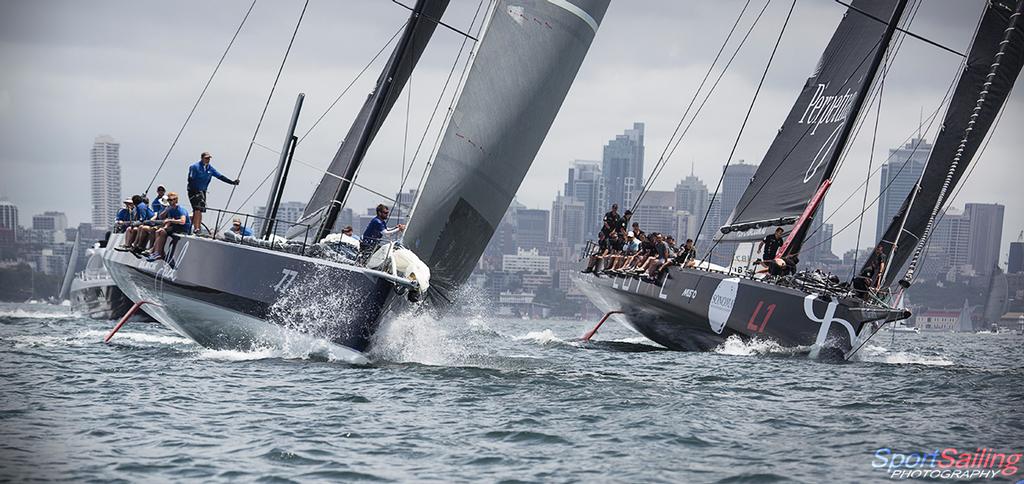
(106, 180)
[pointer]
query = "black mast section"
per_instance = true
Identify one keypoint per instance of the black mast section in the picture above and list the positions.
(330, 195)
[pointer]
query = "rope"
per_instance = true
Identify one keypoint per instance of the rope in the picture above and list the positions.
(266, 106)
(746, 118)
(662, 160)
(199, 99)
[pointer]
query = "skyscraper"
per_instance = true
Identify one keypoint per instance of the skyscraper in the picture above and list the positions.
(1016, 262)
(899, 173)
(106, 180)
(568, 217)
(50, 221)
(735, 180)
(692, 196)
(986, 236)
(949, 241)
(532, 229)
(586, 185)
(656, 213)
(623, 167)
(286, 212)
(8, 215)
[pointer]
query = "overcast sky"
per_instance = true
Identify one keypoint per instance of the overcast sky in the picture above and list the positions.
(73, 70)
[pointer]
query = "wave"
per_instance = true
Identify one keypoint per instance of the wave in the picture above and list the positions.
(735, 346)
(51, 313)
(544, 337)
(878, 354)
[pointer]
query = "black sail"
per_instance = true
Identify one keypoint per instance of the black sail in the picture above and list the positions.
(323, 207)
(524, 65)
(992, 66)
(807, 147)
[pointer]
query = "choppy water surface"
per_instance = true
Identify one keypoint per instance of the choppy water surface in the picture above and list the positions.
(479, 399)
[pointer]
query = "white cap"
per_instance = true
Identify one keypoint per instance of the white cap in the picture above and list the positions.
(629, 234)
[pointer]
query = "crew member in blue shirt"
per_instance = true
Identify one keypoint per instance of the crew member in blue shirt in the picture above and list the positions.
(139, 215)
(377, 229)
(175, 221)
(158, 201)
(124, 216)
(199, 176)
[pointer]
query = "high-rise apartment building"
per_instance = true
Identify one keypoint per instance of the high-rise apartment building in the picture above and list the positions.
(50, 221)
(1016, 262)
(532, 229)
(286, 212)
(692, 196)
(586, 184)
(106, 180)
(986, 236)
(735, 180)
(656, 212)
(899, 174)
(623, 167)
(568, 220)
(8, 215)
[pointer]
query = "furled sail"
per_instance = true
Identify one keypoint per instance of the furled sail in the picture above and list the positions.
(992, 66)
(524, 64)
(322, 210)
(808, 145)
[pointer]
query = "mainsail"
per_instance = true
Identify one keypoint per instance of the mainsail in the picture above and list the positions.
(323, 207)
(992, 67)
(807, 147)
(524, 65)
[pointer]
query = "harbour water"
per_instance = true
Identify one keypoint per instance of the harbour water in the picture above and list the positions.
(481, 399)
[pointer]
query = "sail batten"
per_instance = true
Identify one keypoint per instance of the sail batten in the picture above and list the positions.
(524, 64)
(809, 144)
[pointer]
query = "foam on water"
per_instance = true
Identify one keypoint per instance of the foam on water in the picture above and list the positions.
(878, 354)
(736, 346)
(52, 312)
(418, 337)
(544, 337)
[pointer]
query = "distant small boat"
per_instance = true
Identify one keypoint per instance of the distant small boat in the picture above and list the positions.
(899, 327)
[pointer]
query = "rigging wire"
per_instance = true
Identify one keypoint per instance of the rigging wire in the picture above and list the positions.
(662, 160)
(746, 118)
(200, 98)
(492, 4)
(354, 80)
(270, 96)
(324, 114)
(437, 105)
(867, 179)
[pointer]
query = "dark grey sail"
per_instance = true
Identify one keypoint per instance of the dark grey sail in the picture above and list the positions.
(807, 147)
(992, 66)
(328, 198)
(524, 64)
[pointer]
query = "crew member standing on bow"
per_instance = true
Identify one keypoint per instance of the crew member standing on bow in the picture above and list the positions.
(199, 176)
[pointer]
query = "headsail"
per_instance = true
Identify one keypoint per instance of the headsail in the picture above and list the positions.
(525, 62)
(323, 207)
(808, 145)
(993, 65)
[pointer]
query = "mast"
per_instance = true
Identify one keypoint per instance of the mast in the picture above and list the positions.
(329, 197)
(284, 163)
(796, 237)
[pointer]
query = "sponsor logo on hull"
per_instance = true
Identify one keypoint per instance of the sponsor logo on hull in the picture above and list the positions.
(722, 302)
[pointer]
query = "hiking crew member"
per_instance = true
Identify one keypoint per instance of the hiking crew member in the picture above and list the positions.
(771, 243)
(159, 201)
(199, 176)
(175, 221)
(612, 220)
(377, 229)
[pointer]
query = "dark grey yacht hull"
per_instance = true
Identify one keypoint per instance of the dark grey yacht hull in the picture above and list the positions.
(230, 296)
(697, 310)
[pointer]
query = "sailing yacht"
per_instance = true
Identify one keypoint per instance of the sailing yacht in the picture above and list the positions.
(698, 308)
(233, 294)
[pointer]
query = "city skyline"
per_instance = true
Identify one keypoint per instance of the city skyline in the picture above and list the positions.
(618, 84)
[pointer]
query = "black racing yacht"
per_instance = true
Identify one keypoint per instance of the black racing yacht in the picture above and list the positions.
(240, 292)
(698, 308)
